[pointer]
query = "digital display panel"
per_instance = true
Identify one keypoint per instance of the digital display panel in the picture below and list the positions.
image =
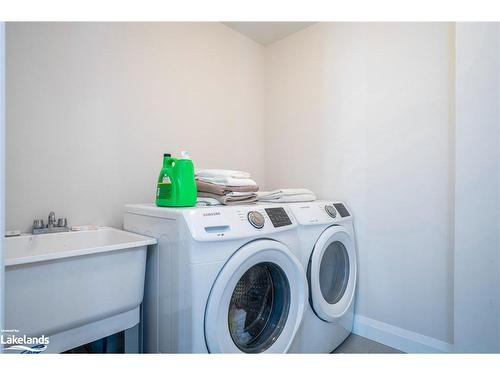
(278, 216)
(341, 209)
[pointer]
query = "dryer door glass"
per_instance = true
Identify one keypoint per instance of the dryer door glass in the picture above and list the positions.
(259, 307)
(334, 272)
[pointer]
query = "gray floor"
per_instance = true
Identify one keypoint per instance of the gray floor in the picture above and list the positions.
(360, 345)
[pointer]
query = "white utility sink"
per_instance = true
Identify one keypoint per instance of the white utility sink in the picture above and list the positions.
(74, 287)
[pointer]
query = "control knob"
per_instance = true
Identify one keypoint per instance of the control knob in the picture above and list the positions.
(330, 210)
(256, 219)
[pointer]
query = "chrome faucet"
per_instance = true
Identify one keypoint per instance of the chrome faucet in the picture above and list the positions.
(51, 222)
(53, 225)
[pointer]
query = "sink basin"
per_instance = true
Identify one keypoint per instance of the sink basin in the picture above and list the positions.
(74, 287)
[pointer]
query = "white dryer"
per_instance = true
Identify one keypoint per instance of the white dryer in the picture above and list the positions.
(221, 279)
(328, 255)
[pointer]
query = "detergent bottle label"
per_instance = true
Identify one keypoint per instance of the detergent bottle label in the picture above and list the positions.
(164, 190)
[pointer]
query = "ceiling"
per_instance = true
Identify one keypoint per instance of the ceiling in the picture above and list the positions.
(267, 32)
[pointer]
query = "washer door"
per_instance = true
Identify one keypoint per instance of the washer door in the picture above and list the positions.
(332, 274)
(257, 301)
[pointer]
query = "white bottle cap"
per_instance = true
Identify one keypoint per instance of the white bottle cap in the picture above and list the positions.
(185, 155)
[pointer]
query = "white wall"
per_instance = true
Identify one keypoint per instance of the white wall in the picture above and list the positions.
(477, 199)
(361, 112)
(92, 108)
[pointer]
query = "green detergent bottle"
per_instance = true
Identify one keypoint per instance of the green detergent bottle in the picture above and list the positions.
(176, 184)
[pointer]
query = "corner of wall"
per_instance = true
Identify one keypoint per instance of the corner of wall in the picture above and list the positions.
(452, 172)
(2, 167)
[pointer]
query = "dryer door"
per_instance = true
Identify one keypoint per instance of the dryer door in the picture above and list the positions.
(257, 301)
(332, 274)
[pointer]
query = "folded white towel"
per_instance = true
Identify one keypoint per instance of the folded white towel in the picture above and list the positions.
(290, 198)
(284, 192)
(240, 194)
(230, 200)
(207, 201)
(286, 195)
(211, 173)
(228, 181)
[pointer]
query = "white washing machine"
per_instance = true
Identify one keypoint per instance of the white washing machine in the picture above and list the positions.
(221, 279)
(328, 255)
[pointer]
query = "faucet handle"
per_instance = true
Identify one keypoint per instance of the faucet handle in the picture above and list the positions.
(62, 222)
(38, 224)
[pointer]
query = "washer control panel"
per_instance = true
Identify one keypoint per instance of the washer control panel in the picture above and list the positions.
(256, 219)
(230, 222)
(278, 216)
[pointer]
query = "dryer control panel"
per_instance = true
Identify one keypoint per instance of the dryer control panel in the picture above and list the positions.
(320, 212)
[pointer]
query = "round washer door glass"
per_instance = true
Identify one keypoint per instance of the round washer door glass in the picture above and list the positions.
(334, 272)
(259, 307)
(257, 301)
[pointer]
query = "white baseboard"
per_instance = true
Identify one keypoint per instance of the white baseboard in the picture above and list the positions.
(398, 338)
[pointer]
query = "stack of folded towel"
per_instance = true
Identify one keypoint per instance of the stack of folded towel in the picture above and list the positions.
(286, 195)
(226, 186)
